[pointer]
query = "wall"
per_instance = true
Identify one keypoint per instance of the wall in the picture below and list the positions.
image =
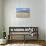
(45, 19)
(0, 18)
(0, 11)
(36, 19)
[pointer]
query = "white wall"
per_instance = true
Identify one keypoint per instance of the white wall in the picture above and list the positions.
(45, 19)
(36, 19)
(0, 18)
(0, 12)
(38, 16)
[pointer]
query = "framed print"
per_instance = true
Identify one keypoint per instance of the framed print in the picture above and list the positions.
(22, 12)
